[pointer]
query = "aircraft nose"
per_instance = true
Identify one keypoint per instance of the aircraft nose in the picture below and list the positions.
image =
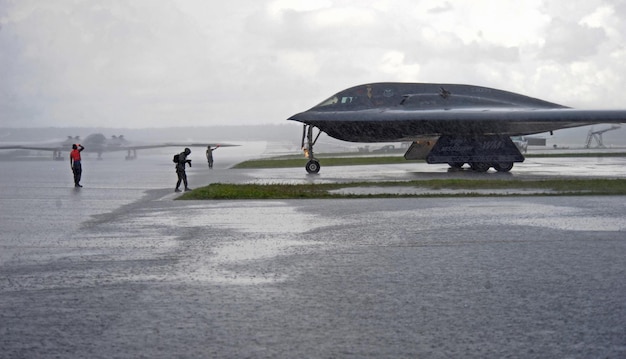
(297, 117)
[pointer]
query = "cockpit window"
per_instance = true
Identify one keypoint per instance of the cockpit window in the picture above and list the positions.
(344, 100)
(331, 101)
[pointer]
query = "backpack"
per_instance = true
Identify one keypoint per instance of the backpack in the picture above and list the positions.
(175, 159)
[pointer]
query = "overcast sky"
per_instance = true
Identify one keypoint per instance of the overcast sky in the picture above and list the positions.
(159, 63)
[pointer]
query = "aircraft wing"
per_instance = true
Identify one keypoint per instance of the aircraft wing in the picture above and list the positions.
(32, 147)
(394, 125)
(109, 148)
(98, 143)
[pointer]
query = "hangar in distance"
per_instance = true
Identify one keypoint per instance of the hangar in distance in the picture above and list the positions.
(446, 123)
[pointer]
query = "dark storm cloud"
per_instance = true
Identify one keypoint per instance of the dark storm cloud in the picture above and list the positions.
(146, 63)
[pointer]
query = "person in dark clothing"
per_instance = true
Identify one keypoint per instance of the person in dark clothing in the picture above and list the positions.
(209, 155)
(180, 169)
(75, 163)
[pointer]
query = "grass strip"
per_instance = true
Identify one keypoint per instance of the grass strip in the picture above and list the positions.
(221, 191)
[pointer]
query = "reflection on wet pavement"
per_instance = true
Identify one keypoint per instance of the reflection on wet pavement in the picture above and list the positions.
(121, 270)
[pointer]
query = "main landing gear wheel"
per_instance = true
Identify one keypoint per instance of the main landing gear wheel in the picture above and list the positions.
(480, 166)
(456, 165)
(313, 166)
(503, 166)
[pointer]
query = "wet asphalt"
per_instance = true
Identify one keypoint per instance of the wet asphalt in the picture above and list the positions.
(118, 269)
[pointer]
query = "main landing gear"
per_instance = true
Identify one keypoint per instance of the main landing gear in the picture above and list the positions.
(313, 165)
(480, 152)
(132, 154)
(484, 166)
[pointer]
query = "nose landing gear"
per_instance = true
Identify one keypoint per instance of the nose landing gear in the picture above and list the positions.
(313, 165)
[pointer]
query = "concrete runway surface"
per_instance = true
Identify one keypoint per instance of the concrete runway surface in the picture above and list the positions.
(118, 269)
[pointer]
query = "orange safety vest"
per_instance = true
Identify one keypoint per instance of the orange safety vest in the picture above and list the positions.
(75, 155)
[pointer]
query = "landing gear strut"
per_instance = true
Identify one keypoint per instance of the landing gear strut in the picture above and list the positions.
(132, 154)
(313, 165)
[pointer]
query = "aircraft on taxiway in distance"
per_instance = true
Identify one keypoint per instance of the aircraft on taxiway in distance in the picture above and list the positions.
(98, 143)
(446, 123)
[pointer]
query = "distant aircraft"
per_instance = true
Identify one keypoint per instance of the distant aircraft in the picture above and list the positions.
(98, 143)
(446, 123)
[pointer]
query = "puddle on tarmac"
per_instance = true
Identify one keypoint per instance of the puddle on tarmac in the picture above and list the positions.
(263, 230)
(246, 250)
(265, 217)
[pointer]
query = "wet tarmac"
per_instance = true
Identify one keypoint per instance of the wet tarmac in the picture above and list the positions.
(119, 269)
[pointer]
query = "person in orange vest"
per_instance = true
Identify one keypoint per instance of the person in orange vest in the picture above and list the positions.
(75, 163)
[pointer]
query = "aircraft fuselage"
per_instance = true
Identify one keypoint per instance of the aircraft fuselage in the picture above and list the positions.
(395, 112)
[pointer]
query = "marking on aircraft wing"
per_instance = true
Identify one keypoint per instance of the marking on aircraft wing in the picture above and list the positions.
(444, 93)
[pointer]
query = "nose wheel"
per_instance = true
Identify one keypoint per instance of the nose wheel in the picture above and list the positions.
(313, 165)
